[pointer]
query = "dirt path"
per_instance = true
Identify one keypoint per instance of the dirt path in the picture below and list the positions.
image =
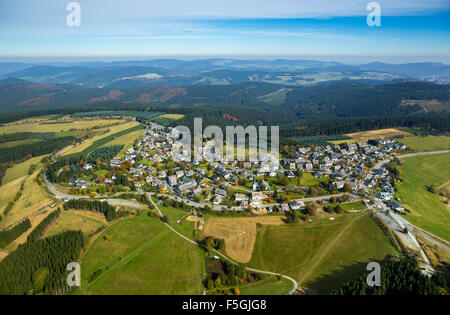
(324, 249)
(294, 282)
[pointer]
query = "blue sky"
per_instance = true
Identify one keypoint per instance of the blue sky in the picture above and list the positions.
(411, 30)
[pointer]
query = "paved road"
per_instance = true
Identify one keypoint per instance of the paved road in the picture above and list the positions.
(241, 208)
(124, 203)
(433, 239)
(422, 153)
(397, 224)
(59, 194)
(295, 284)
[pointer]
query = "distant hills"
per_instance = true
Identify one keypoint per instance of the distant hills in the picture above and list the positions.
(294, 89)
(172, 72)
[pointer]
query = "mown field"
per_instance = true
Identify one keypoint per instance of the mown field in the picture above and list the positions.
(33, 197)
(21, 169)
(57, 127)
(428, 143)
(269, 286)
(127, 140)
(140, 255)
(100, 140)
(123, 113)
(373, 134)
(428, 210)
(239, 234)
(18, 142)
(320, 256)
(84, 221)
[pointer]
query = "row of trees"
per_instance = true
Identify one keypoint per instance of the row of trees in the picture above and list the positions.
(92, 205)
(42, 227)
(9, 137)
(19, 152)
(8, 236)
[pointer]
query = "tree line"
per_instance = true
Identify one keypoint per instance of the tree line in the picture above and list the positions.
(92, 205)
(10, 235)
(43, 226)
(21, 151)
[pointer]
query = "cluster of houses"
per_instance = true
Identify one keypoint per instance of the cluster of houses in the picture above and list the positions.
(342, 164)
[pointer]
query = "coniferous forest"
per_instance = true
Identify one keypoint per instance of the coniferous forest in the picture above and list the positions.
(40, 266)
(401, 277)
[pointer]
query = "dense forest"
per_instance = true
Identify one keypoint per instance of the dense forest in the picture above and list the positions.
(335, 126)
(40, 266)
(349, 99)
(402, 277)
(92, 205)
(10, 235)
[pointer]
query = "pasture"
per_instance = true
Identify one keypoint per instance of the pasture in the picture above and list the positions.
(84, 221)
(374, 134)
(140, 255)
(428, 210)
(239, 234)
(99, 140)
(81, 124)
(428, 143)
(322, 255)
(172, 116)
(269, 286)
(21, 169)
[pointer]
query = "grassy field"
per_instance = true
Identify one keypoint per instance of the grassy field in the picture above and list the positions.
(172, 116)
(90, 142)
(84, 221)
(177, 218)
(117, 113)
(373, 134)
(126, 140)
(140, 255)
(427, 209)
(322, 255)
(33, 198)
(20, 170)
(429, 143)
(57, 127)
(18, 142)
(271, 286)
(357, 205)
(308, 180)
(239, 234)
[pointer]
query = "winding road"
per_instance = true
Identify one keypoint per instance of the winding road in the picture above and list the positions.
(294, 282)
